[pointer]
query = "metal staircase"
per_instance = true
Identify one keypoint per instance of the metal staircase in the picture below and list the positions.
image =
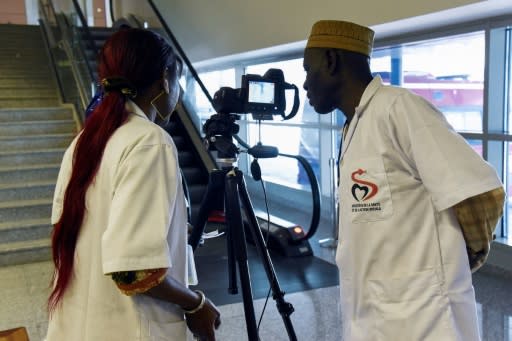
(35, 129)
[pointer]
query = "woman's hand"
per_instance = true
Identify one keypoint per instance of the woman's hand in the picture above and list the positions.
(204, 322)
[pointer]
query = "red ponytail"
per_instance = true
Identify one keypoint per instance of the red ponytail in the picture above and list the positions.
(108, 116)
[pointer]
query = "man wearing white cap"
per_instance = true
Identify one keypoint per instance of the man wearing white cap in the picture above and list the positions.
(418, 206)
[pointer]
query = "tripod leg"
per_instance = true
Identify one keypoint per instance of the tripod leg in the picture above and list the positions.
(215, 186)
(231, 247)
(238, 243)
(284, 308)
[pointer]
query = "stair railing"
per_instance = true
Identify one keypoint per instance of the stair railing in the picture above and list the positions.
(81, 25)
(60, 40)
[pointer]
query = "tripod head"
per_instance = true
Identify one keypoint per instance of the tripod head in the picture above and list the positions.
(219, 130)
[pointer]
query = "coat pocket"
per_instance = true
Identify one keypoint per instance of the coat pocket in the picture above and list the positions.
(412, 307)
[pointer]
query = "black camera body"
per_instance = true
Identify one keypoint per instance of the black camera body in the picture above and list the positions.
(261, 96)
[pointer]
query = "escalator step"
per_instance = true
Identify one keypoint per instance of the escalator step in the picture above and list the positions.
(194, 175)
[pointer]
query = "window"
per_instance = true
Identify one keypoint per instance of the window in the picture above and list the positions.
(448, 72)
(213, 81)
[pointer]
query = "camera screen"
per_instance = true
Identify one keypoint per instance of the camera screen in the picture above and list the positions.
(261, 92)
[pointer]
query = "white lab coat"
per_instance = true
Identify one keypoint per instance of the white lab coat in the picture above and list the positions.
(404, 273)
(135, 219)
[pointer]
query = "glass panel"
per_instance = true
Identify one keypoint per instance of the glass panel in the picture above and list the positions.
(508, 72)
(508, 187)
(309, 148)
(213, 81)
(285, 170)
(479, 312)
(448, 72)
(477, 146)
(508, 327)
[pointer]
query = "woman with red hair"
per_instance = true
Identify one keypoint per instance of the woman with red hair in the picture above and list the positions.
(119, 212)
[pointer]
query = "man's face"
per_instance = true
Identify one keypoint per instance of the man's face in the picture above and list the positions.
(319, 84)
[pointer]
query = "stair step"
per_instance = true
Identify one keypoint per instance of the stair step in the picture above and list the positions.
(24, 230)
(27, 142)
(34, 132)
(35, 114)
(27, 73)
(194, 175)
(25, 209)
(186, 158)
(27, 92)
(24, 61)
(27, 45)
(29, 173)
(27, 190)
(37, 127)
(29, 102)
(101, 32)
(180, 142)
(25, 252)
(31, 157)
(197, 193)
(25, 98)
(19, 28)
(23, 82)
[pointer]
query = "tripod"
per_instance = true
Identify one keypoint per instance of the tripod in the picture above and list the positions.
(230, 183)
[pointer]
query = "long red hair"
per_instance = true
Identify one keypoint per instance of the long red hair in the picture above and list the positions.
(139, 57)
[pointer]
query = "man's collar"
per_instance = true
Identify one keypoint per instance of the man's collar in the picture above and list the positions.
(368, 93)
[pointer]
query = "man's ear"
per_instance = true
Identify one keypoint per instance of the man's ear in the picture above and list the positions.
(333, 60)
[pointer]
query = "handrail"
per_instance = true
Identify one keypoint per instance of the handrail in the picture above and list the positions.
(85, 26)
(69, 32)
(315, 190)
(47, 37)
(44, 9)
(111, 10)
(315, 194)
(64, 45)
(49, 17)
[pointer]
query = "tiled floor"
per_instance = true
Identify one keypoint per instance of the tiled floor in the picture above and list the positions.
(24, 288)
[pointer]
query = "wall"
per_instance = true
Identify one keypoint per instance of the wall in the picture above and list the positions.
(100, 19)
(13, 12)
